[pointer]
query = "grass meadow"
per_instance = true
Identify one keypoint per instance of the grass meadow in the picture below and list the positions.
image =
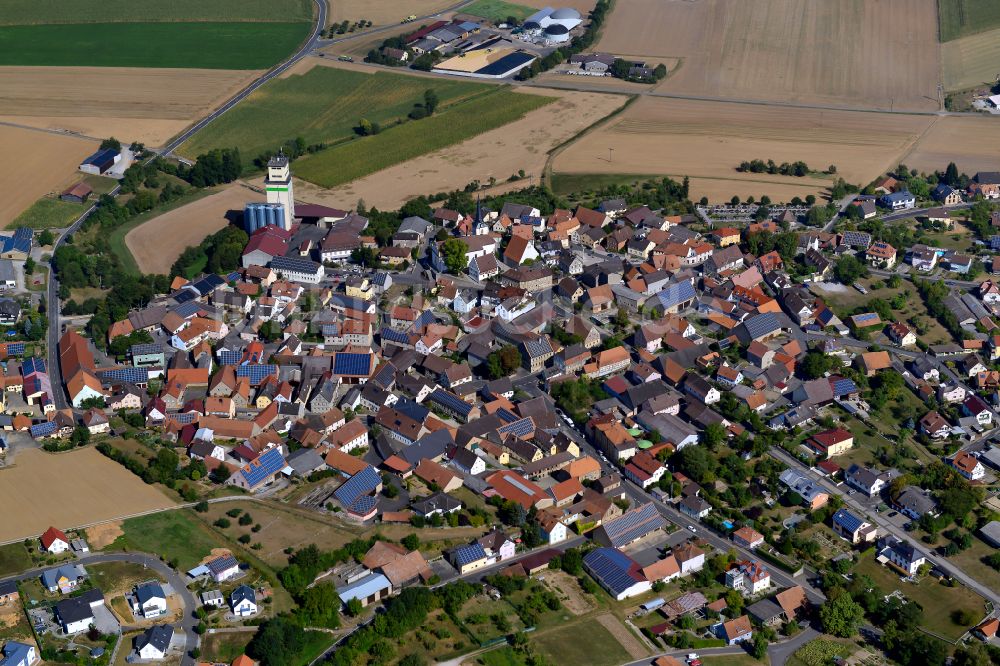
(322, 105)
(498, 10)
(348, 161)
(33, 12)
(959, 18)
(209, 45)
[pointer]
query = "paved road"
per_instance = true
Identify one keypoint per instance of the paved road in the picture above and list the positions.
(188, 620)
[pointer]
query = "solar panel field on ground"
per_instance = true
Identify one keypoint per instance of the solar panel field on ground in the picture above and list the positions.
(224, 34)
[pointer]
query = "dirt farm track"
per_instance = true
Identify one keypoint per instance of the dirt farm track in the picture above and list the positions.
(67, 490)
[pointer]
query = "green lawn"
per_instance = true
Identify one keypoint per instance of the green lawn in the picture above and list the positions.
(14, 559)
(937, 599)
(171, 534)
(498, 10)
(966, 17)
(323, 105)
(49, 213)
(582, 643)
(315, 644)
(231, 45)
(346, 162)
(29, 12)
(504, 656)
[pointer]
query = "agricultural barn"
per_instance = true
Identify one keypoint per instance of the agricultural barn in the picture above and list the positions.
(77, 194)
(101, 161)
(555, 24)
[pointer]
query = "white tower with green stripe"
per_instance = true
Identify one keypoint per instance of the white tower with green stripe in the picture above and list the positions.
(278, 185)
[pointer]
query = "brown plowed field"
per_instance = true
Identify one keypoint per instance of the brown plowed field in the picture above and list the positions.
(133, 104)
(852, 53)
(45, 163)
(499, 153)
(708, 140)
(69, 490)
(156, 244)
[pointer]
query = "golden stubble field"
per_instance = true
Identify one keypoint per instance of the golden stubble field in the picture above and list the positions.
(852, 53)
(44, 163)
(382, 12)
(969, 141)
(707, 140)
(156, 244)
(132, 104)
(523, 144)
(69, 490)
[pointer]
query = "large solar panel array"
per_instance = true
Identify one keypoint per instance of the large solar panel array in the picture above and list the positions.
(230, 356)
(266, 465)
(761, 325)
(188, 309)
(145, 349)
(294, 265)
(674, 294)
(363, 483)
(468, 553)
(130, 375)
(392, 335)
(43, 429)
(611, 567)
(185, 418)
(207, 284)
(843, 386)
(351, 364)
(33, 364)
(184, 295)
(520, 428)
(450, 401)
(256, 373)
(633, 525)
(847, 520)
(15, 349)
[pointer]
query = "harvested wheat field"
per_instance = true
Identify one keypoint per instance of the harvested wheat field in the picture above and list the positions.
(847, 53)
(523, 144)
(971, 61)
(155, 245)
(707, 140)
(968, 141)
(46, 163)
(71, 489)
(132, 104)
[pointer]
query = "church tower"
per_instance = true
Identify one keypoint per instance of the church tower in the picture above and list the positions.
(278, 185)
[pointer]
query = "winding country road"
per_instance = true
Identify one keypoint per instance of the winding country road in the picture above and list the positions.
(188, 620)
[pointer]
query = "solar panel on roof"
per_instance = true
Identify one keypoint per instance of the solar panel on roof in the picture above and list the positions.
(363, 483)
(256, 373)
(520, 428)
(612, 567)
(230, 356)
(32, 364)
(847, 520)
(130, 375)
(364, 504)
(868, 316)
(188, 309)
(145, 349)
(184, 295)
(42, 429)
(392, 335)
(207, 284)
(266, 465)
(351, 364)
(232, 277)
(450, 401)
(507, 415)
(472, 552)
(15, 349)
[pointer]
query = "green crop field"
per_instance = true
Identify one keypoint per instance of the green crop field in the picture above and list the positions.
(959, 18)
(32, 12)
(346, 162)
(322, 106)
(237, 45)
(498, 10)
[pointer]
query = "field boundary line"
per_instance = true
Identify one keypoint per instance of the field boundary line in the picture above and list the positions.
(546, 175)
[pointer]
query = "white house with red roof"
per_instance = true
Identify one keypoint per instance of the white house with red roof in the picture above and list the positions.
(54, 541)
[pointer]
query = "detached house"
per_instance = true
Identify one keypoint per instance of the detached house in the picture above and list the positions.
(968, 466)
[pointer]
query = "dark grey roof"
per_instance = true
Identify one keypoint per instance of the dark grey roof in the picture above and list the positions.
(764, 610)
(437, 502)
(159, 637)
